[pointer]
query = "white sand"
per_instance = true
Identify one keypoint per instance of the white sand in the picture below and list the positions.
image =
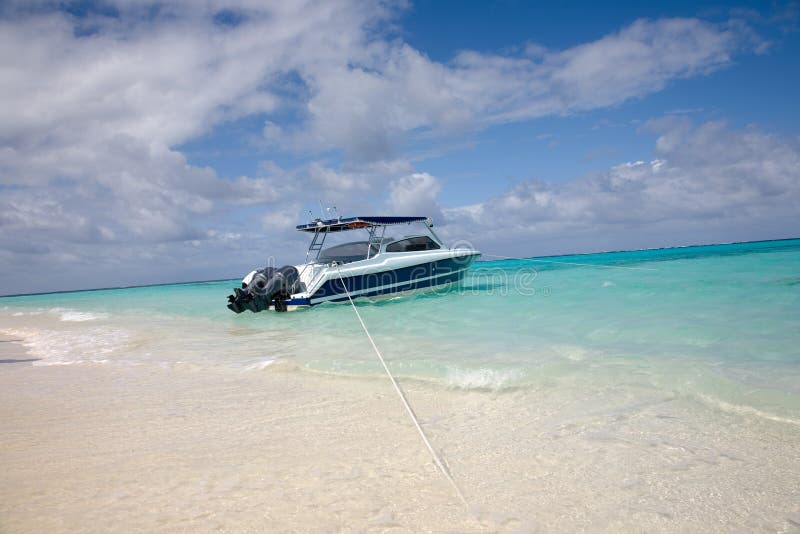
(115, 448)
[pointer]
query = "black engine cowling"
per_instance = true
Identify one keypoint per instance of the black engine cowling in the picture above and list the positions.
(266, 285)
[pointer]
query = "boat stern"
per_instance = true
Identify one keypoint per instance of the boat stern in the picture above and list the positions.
(266, 288)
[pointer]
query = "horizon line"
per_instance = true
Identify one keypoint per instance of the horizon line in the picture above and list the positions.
(135, 286)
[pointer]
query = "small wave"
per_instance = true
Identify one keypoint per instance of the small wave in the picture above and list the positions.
(261, 365)
(46, 363)
(76, 316)
(607, 284)
(745, 410)
(570, 352)
(492, 379)
(66, 347)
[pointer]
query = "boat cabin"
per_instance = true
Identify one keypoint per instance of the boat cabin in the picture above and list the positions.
(362, 250)
(377, 243)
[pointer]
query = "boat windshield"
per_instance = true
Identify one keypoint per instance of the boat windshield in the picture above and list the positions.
(348, 252)
(413, 243)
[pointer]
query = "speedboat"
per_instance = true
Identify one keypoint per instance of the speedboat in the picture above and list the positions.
(380, 265)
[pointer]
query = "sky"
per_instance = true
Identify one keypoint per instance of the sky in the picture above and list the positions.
(154, 142)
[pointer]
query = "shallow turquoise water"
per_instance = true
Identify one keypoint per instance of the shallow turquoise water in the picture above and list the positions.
(720, 322)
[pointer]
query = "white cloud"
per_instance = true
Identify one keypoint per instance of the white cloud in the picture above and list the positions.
(369, 108)
(640, 59)
(709, 183)
(95, 106)
(415, 194)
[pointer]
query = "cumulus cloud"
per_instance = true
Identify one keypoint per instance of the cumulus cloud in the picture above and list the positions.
(97, 98)
(415, 194)
(368, 108)
(709, 182)
(94, 104)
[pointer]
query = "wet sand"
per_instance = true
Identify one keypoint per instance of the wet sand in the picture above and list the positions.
(11, 351)
(114, 448)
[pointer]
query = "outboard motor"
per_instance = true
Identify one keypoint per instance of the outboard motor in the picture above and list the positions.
(263, 287)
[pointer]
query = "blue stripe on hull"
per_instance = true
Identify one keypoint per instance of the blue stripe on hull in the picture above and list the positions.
(408, 286)
(295, 302)
(405, 279)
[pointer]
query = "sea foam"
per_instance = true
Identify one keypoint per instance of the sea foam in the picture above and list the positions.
(744, 410)
(261, 365)
(491, 379)
(63, 347)
(75, 316)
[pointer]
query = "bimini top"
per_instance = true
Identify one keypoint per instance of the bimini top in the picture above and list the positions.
(355, 223)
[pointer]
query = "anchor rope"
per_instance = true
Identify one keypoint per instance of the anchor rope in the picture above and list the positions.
(402, 396)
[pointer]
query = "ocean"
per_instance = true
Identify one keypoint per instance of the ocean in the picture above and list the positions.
(653, 390)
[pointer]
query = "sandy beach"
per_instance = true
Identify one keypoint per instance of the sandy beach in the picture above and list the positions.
(568, 230)
(92, 447)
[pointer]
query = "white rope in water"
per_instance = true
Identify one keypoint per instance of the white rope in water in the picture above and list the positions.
(569, 263)
(411, 414)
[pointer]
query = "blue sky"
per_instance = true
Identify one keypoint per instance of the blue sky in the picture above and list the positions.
(154, 142)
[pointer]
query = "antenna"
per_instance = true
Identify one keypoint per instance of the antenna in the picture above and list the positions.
(335, 212)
